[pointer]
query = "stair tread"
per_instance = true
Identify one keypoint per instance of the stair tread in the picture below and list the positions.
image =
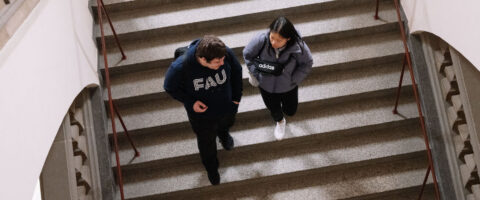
(249, 131)
(329, 86)
(349, 186)
(403, 193)
(374, 47)
(128, 5)
(155, 48)
(156, 17)
(343, 143)
(372, 178)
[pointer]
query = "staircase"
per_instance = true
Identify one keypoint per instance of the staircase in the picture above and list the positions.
(343, 143)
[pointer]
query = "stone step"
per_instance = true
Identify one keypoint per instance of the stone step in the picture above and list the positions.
(157, 50)
(114, 6)
(148, 84)
(343, 143)
(401, 194)
(313, 172)
(359, 51)
(187, 16)
(177, 144)
(318, 87)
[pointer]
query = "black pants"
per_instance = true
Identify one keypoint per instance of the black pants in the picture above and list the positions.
(280, 103)
(207, 131)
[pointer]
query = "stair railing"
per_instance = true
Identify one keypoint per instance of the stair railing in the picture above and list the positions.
(407, 60)
(112, 106)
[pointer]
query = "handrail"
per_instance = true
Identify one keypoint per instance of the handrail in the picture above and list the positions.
(417, 99)
(112, 107)
(113, 31)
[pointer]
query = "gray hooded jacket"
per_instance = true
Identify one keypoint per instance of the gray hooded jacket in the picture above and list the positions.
(297, 61)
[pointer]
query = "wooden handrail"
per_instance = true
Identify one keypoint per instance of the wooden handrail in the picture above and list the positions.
(417, 99)
(112, 107)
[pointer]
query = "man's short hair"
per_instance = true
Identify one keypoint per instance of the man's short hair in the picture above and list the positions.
(211, 47)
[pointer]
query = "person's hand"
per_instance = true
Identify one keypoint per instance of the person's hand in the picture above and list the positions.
(236, 102)
(252, 80)
(199, 107)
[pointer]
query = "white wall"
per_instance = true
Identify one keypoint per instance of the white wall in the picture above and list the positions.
(456, 22)
(43, 67)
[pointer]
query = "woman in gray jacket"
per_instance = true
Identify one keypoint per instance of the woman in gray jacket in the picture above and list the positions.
(278, 61)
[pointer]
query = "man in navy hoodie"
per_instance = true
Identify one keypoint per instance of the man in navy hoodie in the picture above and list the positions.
(207, 79)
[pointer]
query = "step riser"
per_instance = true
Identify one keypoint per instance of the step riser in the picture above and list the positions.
(229, 21)
(359, 49)
(402, 194)
(309, 25)
(263, 113)
(161, 164)
(343, 143)
(246, 85)
(182, 140)
(336, 174)
(389, 27)
(122, 6)
(326, 103)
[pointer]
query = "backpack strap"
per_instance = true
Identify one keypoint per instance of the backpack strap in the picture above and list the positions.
(263, 46)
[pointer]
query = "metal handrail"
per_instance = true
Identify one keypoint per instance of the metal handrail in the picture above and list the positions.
(417, 99)
(112, 107)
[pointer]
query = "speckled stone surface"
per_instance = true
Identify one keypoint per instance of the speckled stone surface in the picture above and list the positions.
(344, 185)
(326, 85)
(311, 119)
(317, 87)
(345, 181)
(343, 143)
(327, 24)
(164, 16)
(395, 180)
(324, 54)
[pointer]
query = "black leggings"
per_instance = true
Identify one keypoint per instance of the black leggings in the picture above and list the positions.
(280, 103)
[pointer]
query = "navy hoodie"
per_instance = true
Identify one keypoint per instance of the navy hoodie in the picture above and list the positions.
(189, 81)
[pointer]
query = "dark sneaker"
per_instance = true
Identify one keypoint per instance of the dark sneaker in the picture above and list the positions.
(227, 142)
(214, 177)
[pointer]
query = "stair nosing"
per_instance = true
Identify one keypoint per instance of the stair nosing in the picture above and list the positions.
(417, 154)
(415, 189)
(187, 158)
(389, 27)
(329, 100)
(240, 118)
(383, 60)
(324, 5)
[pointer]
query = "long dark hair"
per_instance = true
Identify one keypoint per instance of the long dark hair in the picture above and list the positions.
(285, 28)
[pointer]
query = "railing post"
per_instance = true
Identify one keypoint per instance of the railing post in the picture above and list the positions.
(400, 85)
(376, 11)
(424, 183)
(113, 30)
(125, 130)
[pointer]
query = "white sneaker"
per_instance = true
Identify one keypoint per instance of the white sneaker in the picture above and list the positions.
(280, 129)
